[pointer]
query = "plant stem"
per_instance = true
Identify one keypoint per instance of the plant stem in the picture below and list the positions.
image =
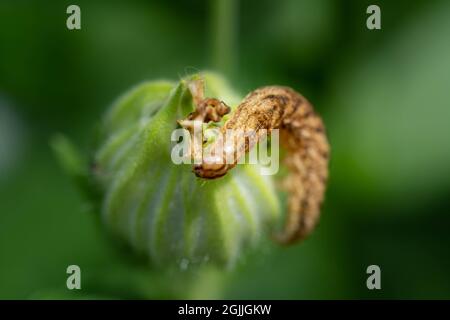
(223, 26)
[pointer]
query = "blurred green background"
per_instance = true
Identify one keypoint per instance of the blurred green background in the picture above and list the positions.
(384, 96)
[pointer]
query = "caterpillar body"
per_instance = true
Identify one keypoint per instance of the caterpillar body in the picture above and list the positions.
(302, 134)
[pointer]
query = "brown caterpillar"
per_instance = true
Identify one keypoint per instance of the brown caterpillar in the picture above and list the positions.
(302, 134)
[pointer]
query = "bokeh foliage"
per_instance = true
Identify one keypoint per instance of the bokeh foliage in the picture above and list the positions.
(384, 96)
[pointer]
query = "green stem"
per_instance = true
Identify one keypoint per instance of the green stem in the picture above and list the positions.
(223, 26)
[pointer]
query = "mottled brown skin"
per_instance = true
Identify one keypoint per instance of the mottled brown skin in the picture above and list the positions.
(302, 134)
(209, 109)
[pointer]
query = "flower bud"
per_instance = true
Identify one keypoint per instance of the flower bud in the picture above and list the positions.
(162, 209)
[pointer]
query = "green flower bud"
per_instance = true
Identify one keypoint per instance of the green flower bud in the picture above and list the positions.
(162, 209)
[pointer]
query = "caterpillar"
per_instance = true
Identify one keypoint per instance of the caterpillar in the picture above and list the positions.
(302, 135)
